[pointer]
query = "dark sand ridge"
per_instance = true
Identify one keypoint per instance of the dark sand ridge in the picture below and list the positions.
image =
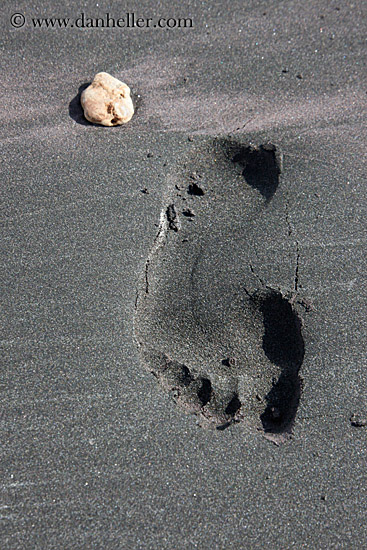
(93, 453)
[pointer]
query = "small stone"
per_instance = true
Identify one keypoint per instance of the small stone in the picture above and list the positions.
(107, 101)
(299, 76)
(149, 155)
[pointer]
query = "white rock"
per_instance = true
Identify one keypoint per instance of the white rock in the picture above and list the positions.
(107, 101)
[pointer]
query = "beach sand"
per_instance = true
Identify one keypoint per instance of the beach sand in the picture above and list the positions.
(95, 451)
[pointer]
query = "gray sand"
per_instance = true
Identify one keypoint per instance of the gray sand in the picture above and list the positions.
(95, 453)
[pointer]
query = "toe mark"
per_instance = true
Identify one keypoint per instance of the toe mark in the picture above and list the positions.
(205, 391)
(186, 376)
(233, 406)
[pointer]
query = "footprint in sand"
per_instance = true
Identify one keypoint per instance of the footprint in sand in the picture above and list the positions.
(214, 318)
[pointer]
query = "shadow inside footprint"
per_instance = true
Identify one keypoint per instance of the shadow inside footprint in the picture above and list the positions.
(261, 168)
(283, 344)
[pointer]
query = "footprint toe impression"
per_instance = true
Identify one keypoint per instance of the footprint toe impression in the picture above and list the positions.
(223, 342)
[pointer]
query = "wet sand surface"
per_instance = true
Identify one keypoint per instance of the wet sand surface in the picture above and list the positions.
(95, 453)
